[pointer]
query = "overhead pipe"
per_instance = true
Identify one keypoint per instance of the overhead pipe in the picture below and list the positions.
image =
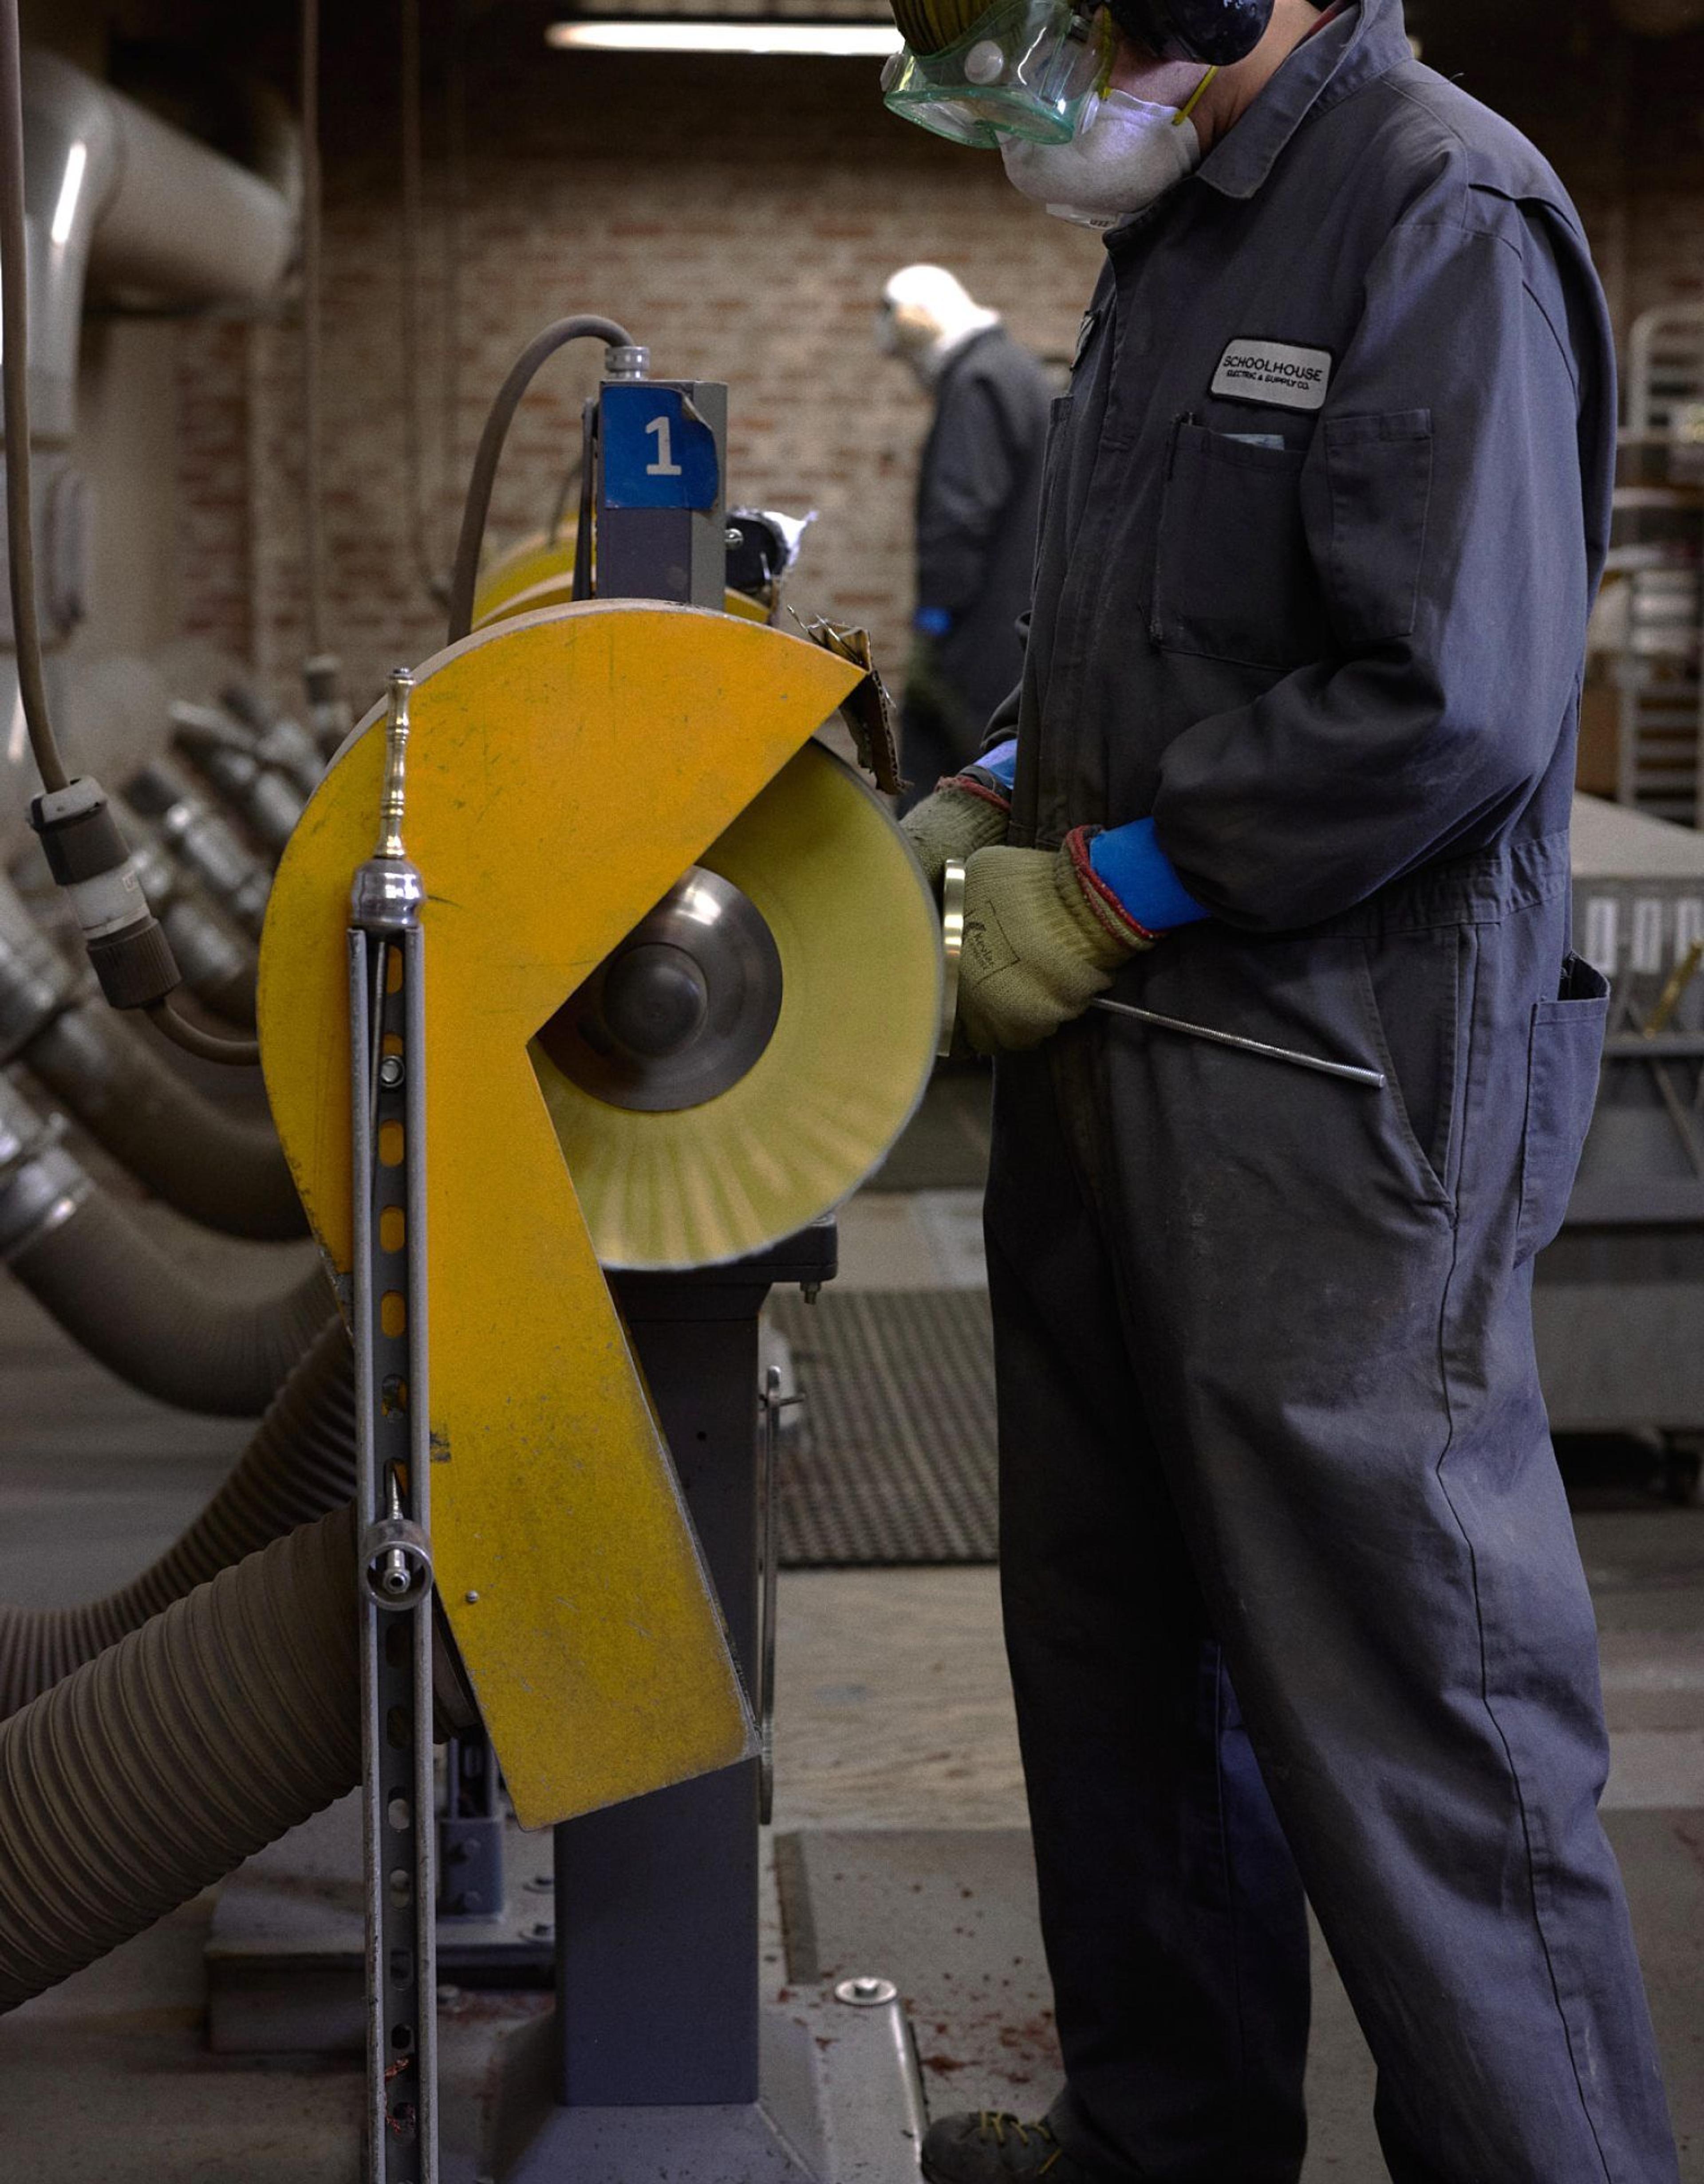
(155, 1768)
(222, 1170)
(300, 1464)
(114, 197)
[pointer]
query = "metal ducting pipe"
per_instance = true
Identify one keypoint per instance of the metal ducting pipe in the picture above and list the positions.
(110, 1285)
(115, 197)
(209, 849)
(228, 1173)
(157, 1768)
(300, 1464)
(225, 1172)
(219, 968)
(228, 759)
(279, 741)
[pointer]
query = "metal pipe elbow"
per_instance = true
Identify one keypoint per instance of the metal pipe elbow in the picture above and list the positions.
(227, 1173)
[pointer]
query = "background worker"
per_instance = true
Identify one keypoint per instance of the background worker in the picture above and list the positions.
(1292, 1594)
(978, 488)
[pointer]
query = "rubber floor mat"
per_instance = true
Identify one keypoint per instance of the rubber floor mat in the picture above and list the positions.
(891, 1459)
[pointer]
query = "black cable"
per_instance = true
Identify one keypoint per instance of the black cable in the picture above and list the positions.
(14, 373)
(21, 540)
(238, 1053)
(590, 455)
(571, 478)
(465, 574)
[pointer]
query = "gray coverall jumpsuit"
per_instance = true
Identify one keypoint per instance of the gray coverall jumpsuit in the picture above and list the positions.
(979, 485)
(1324, 511)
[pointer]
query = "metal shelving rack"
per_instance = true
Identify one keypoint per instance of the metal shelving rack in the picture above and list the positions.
(1658, 550)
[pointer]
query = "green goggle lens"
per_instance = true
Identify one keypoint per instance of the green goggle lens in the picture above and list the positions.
(1025, 68)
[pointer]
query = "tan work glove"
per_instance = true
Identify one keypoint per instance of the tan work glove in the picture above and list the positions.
(950, 827)
(1042, 937)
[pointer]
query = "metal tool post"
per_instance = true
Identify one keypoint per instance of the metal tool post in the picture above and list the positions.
(387, 1120)
(772, 1403)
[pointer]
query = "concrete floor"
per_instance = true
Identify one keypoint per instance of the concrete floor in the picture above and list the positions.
(893, 1713)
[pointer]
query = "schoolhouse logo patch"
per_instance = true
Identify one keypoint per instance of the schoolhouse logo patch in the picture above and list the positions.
(1274, 373)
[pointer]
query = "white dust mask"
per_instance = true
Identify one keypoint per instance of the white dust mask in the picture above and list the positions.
(1128, 157)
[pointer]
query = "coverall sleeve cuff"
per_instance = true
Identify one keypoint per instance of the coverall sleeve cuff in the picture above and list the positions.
(1130, 865)
(1109, 912)
(1000, 761)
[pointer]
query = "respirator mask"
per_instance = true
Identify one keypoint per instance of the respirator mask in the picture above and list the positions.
(1128, 156)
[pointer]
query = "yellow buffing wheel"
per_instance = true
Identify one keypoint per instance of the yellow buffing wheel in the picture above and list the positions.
(782, 1014)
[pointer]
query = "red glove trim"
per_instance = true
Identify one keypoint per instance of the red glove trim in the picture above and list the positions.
(1103, 901)
(967, 787)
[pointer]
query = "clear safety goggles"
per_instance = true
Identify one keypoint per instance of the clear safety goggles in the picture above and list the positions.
(1025, 68)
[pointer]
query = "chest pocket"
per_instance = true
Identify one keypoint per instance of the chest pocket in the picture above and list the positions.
(1233, 578)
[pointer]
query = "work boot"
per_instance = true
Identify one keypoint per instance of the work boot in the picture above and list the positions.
(982, 2148)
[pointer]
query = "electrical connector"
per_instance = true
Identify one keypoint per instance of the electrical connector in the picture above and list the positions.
(88, 858)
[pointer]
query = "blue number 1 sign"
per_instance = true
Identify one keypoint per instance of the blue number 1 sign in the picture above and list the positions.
(657, 451)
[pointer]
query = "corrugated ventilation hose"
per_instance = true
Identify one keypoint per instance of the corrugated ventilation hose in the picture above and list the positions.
(108, 1284)
(301, 1462)
(160, 1765)
(227, 1173)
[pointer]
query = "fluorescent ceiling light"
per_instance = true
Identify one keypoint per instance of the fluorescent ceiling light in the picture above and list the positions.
(701, 35)
(70, 189)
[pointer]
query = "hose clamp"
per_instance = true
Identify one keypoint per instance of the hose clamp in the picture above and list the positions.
(40, 1191)
(396, 1562)
(35, 981)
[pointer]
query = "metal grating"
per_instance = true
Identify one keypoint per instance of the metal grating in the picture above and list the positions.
(891, 1459)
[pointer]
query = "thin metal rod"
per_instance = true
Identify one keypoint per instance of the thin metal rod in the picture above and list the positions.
(1349, 1071)
(420, 510)
(362, 1039)
(769, 1516)
(15, 367)
(420, 1496)
(313, 512)
(455, 200)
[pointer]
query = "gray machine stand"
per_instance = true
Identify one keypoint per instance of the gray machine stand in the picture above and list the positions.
(660, 2060)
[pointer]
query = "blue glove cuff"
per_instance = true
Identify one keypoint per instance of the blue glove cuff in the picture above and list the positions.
(1130, 860)
(932, 622)
(1000, 764)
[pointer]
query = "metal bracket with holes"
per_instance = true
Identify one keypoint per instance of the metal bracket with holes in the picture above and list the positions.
(388, 1119)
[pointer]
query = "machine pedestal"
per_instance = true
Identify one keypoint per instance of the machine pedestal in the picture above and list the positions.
(840, 2102)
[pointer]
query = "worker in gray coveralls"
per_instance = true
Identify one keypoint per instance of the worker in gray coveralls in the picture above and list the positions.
(1292, 1595)
(979, 488)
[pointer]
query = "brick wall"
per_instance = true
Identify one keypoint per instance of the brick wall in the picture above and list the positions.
(741, 215)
